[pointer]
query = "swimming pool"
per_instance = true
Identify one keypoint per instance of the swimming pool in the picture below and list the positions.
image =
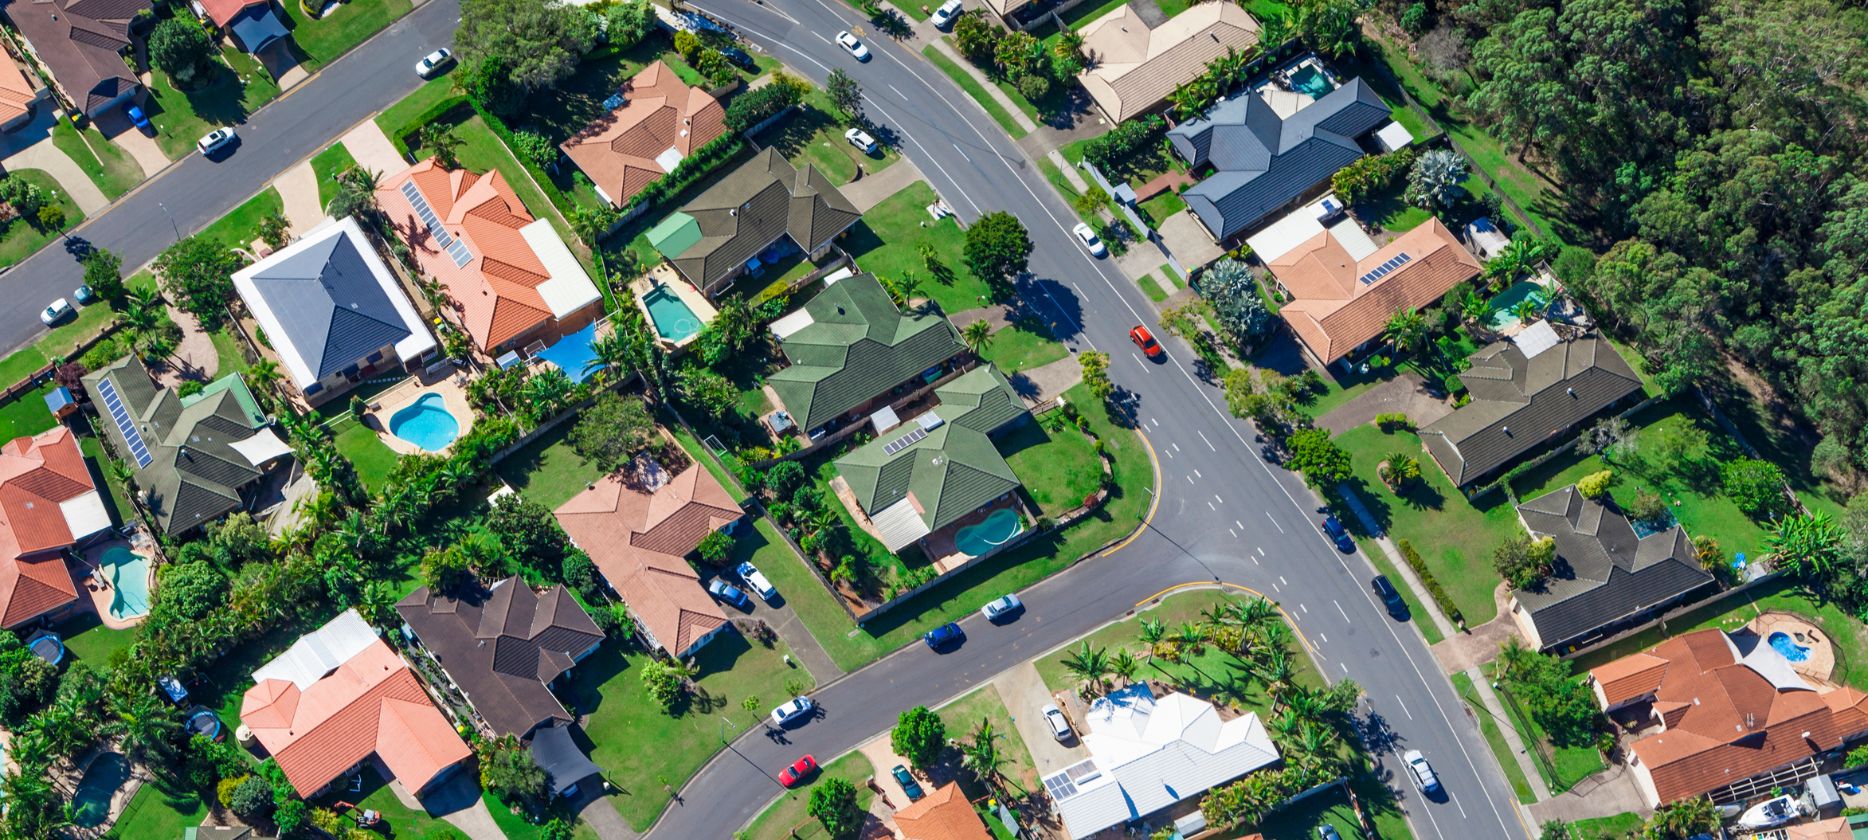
(1499, 314)
(995, 530)
(129, 581)
(90, 803)
(427, 423)
(1788, 646)
(1311, 81)
(672, 318)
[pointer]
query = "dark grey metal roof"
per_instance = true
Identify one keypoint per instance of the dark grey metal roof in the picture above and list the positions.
(555, 751)
(331, 304)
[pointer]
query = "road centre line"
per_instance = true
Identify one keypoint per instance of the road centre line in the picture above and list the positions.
(1210, 505)
(1339, 610)
(1283, 581)
(1209, 444)
(1410, 715)
(1301, 606)
(1274, 521)
(956, 147)
(899, 93)
(1261, 549)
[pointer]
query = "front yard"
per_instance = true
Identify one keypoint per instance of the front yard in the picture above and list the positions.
(813, 135)
(789, 817)
(887, 243)
(1022, 346)
(985, 703)
(1561, 767)
(1057, 465)
(109, 167)
(236, 89)
(344, 26)
(21, 238)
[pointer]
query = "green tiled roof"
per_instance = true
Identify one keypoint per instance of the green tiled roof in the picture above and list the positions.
(952, 471)
(751, 207)
(857, 346)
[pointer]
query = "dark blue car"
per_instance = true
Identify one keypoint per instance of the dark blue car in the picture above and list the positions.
(137, 118)
(729, 593)
(944, 636)
(1339, 535)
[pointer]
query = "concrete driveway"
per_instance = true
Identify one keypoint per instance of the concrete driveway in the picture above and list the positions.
(1024, 694)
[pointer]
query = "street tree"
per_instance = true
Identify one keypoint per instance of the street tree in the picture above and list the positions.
(846, 93)
(997, 249)
(530, 45)
(919, 736)
(833, 803)
(103, 273)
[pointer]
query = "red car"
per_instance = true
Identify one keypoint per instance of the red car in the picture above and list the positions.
(1145, 340)
(799, 771)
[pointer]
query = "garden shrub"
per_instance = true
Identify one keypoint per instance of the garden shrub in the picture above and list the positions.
(1124, 140)
(756, 106)
(1757, 487)
(1393, 421)
(1434, 590)
(1371, 175)
(1595, 485)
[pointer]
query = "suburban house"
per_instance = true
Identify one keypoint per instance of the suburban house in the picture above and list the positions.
(921, 481)
(48, 503)
(1148, 753)
(1264, 158)
(755, 215)
(655, 121)
(1135, 65)
(639, 529)
(505, 647)
(1341, 302)
(197, 458)
(1527, 391)
(851, 352)
(81, 43)
(1724, 714)
(20, 92)
(512, 281)
(334, 311)
(943, 814)
(253, 24)
(340, 696)
(1609, 575)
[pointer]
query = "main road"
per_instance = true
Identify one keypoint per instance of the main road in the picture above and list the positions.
(1222, 513)
(195, 191)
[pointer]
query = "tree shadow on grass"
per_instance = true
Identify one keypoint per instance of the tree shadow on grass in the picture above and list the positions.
(593, 672)
(219, 101)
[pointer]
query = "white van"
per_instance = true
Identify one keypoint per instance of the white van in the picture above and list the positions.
(943, 16)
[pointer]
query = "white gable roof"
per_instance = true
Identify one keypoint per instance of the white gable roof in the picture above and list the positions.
(319, 652)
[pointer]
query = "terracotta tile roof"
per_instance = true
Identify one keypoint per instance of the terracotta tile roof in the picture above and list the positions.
(1335, 312)
(1137, 65)
(1629, 677)
(16, 91)
(660, 121)
(222, 11)
(38, 475)
(1733, 708)
(639, 540)
(371, 704)
(943, 814)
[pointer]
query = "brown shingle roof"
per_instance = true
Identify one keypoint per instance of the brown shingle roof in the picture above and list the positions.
(754, 205)
(81, 42)
(1335, 312)
(660, 114)
(1136, 66)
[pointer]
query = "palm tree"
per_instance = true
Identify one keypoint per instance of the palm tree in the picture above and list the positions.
(1806, 546)
(145, 726)
(1191, 637)
(263, 378)
(1124, 666)
(1528, 309)
(1088, 665)
(1513, 658)
(610, 356)
(1251, 612)
(1151, 633)
(1278, 672)
(977, 335)
(980, 754)
(1473, 305)
(1406, 330)
(1275, 29)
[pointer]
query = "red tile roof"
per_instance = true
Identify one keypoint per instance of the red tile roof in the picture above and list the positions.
(660, 113)
(941, 815)
(639, 540)
(16, 92)
(1334, 312)
(222, 11)
(37, 474)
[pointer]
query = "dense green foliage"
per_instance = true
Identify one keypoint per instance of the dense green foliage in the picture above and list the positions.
(613, 431)
(182, 49)
(513, 49)
(833, 803)
(199, 272)
(997, 248)
(756, 106)
(919, 736)
(1559, 702)
(1124, 140)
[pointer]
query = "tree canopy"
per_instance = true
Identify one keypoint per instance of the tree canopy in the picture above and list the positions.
(531, 45)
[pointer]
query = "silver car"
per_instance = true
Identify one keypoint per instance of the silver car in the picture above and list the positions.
(215, 141)
(432, 62)
(1060, 726)
(1422, 772)
(943, 17)
(798, 708)
(1001, 607)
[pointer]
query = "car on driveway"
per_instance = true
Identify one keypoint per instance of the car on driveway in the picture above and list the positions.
(907, 781)
(943, 17)
(138, 118)
(1421, 772)
(433, 62)
(861, 140)
(1089, 240)
(1146, 341)
(729, 593)
(1001, 607)
(215, 140)
(944, 636)
(792, 711)
(1054, 718)
(853, 45)
(755, 581)
(739, 58)
(798, 771)
(1339, 535)
(1391, 598)
(58, 311)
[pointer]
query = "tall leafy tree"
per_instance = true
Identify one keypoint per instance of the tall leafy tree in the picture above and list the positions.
(532, 44)
(200, 274)
(919, 736)
(997, 250)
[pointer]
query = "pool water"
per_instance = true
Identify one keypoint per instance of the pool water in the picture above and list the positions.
(1498, 315)
(1788, 646)
(128, 573)
(1311, 81)
(427, 423)
(995, 530)
(90, 803)
(672, 317)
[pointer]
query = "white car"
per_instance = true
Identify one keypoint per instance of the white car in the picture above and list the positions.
(1054, 717)
(215, 141)
(1422, 772)
(798, 709)
(1001, 607)
(433, 61)
(861, 140)
(943, 17)
(1089, 239)
(755, 580)
(853, 44)
(58, 311)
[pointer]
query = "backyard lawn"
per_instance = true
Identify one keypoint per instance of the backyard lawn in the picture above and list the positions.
(1494, 738)
(1022, 346)
(789, 818)
(154, 812)
(1773, 432)
(27, 414)
(22, 237)
(93, 643)
(985, 703)
(1059, 467)
(327, 164)
(646, 752)
(547, 471)
(110, 167)
(343, 26)
(887, 240)
(373, 459)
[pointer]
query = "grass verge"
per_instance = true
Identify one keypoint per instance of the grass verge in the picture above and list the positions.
(973, 88)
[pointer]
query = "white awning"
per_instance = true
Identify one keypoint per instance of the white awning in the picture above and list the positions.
(884, 420)
(85, 514)
(319, 652)
(1393, 136)
(569, 289)
(900, 525)
(790, 323)
(263, 446)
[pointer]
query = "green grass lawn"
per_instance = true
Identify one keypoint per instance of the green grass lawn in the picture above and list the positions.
(227, 350)
(886, 242)
(366, 451)
(60, 341)
(227, 97)
(648, 753)
(1151, 287)
(22, 238)
(1494, 738)
(399, 821)
(973, 88)
(1022, 346)
(1777, 437)
(1606, 828)
(110, 167)
(1455, 537)
(396, 117)
(706, 459)
(515, 826)
(93, 448)
(91, 641)
(327, 164)
(812, 135)
(27, 414)
(322, 40)
(1058, 468)
(1561, 767)
(985, 703)
(804, 592)
(239, 228)
(1300, 821)
(789, 818)
(154, 812)
(1162, 206)
(547, 471)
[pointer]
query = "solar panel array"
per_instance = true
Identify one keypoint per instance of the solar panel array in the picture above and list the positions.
(1382, 270)
(904, 441)
(121, 416)
(1063, 785)
(455, 248)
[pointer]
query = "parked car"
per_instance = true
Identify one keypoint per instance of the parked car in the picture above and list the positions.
(1339, 535)
(798, 771)
(792, 711)
(1054, 718)
(739, 58)
(1088, 237)
(907, 781)
(944, 636)
(433, 61)
(1391, 598)
(755, 581)
(861, 140)
(83, 295)
(853, 44)
(58, 311)
(944, 16)
(1328, 832)
(138, 118)
(1001, 607)
(1146, 341)
(1421, 771)
(729, 593)
(215, 141)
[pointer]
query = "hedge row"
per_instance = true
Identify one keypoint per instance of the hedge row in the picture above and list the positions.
(694, 167)
(400, 136)
(1433, 586)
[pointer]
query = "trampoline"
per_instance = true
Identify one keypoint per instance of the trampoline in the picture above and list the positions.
(203, 722)
(49, 647)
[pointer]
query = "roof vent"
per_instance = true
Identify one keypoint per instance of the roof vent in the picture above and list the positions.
(1572, 391)
(1506, 430)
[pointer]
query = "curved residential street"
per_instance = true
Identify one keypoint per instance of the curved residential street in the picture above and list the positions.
(1222, 514)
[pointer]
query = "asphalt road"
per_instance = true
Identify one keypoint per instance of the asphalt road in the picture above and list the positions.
(195, 191)
(1222, 513)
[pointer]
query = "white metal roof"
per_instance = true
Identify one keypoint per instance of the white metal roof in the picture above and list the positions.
(899, 524)
(319, 652)
(569, 288)
(263, 446)
(85, 514)
(1302, 225)
(1393, 136)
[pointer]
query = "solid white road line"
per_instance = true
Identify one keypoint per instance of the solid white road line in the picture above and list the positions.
(1410, 715)
(1274, 521)
(1209, 444)
(1339, 609)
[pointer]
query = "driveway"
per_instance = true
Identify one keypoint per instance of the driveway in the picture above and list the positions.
(53, 161)
(457, 800)
(372, 150)
(142, 148)
(298, 187)
(1404, 393)
(1024, 694)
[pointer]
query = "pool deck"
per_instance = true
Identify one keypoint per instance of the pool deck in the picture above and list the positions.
(99, 587)
(664, 275)
(941, 546)
(449, 383)
(1820, 665)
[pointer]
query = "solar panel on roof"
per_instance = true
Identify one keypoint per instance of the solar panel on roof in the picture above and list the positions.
(904, 441)
(455, 248)
(121, 416)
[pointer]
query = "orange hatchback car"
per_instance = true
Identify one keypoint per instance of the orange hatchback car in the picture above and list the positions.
(1146, 341)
